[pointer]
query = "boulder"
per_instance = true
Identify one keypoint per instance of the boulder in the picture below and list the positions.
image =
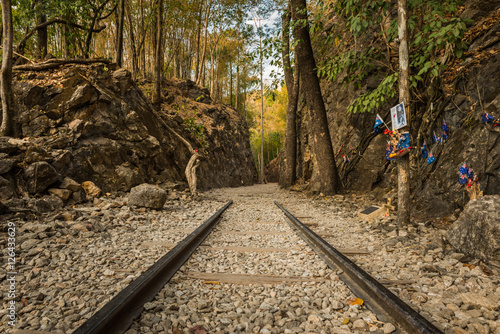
(91, 190)
(6, 165)
(147, 195)
(39, 176)
(476, 232)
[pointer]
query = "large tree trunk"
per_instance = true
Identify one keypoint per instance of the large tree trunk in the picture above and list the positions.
(292, 85)
(119, 35)
(41, 43)
(158, 56)
(329, 178)
(6, 71)
(404, 96)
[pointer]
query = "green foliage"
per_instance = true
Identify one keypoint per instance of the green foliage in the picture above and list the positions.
(435, 37)
(375, 98)
(196, 130)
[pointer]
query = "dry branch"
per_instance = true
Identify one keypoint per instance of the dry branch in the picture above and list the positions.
(56, 62)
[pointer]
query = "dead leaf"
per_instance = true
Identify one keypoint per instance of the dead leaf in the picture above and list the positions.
(211, 282)
(355, 301)
(346, 321)
(471, 266)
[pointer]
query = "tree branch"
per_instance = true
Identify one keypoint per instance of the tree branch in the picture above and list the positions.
(22, 43)
(56, 62)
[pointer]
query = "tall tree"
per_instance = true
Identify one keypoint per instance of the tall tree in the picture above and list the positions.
(119, 33)
(329, 177)
(292, 85)
(6, 71)
(205, 40)
(158, 55)
(42, 37)
(404, 96)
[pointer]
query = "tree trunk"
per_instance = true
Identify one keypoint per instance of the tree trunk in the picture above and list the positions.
(158, 56)
(231, 83)
(238, 57)
(329, 178)
(190, 172)
(404, 96)
(262, 178)
(6, 71)
(205, 38)
(41, 43)
(119, 37)
(292, 85)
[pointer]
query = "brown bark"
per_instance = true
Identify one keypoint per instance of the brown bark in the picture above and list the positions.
(329, 178)
(205, 39)
(6, 71)
(190, 172)
(404, 96)
(119, 37)
(56, 62)
(292, 85)
(22, 44)
(41, 42)
(158, 56)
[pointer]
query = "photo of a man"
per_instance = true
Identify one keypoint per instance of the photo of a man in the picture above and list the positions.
(398, 116)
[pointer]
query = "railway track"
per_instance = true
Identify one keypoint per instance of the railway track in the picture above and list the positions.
(254, 276)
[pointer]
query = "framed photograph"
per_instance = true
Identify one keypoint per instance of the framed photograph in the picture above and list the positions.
(398, 116)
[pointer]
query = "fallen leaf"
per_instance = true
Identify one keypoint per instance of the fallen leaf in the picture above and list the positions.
(211, 282)
(355, 301)
(346, 321)
(471, 266)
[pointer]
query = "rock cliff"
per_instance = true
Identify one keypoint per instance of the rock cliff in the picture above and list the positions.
(474, 83)
(95, 123)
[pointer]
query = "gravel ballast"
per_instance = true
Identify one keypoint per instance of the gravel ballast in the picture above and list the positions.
(72, 262)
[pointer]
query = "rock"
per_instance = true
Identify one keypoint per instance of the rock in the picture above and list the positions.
(123, 79)
(147, 195)
(6, 165)
(6, 189)
(489, 302)
(63, 194)
(91, 190)
(476, 233)
(79, 196)
(388, 328)
(39, 176)
(70, 184)
(82, 95)
(359, 324)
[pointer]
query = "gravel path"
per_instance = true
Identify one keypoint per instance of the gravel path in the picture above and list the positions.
(71, 263)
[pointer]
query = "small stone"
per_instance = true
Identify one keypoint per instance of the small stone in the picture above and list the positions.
(388, 328)
(91, 189)
(70, 184)
(358, 324)
(63, 194)
(490, 302)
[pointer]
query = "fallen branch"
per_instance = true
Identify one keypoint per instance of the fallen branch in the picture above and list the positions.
(56, 62)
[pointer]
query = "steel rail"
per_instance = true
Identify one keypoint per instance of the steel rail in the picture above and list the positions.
(377, 297)
(119, 313)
